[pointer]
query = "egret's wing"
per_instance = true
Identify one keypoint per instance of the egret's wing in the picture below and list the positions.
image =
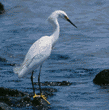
(28, 61)
(38, 53)
(33, 52)
(29, 64)
(35, 61)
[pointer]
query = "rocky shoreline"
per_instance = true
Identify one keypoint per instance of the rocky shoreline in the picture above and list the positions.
(10, 98)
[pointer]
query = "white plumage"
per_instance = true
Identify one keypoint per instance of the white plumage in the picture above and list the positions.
(37, 54)
(41, 49)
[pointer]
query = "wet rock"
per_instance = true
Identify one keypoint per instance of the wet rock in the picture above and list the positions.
(4, 106)
(102, 78)
(18, 99)
(10, 92)
(2, 10)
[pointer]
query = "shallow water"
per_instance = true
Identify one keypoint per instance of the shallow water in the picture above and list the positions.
(77, 57)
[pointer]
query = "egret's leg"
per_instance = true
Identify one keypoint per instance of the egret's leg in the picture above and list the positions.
(33, 86)
(43, 96)
(39, 80)
(32, 83)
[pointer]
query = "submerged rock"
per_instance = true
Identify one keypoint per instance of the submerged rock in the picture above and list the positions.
(2, 59)
(59, 57)
(102, 78)
(2, 10)
(63, 83)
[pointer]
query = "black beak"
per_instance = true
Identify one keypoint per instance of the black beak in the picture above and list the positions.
(71, 23)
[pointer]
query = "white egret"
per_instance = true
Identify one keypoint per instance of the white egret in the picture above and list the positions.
(41, 50)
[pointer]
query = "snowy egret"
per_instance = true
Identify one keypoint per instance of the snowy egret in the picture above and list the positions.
(41, 50)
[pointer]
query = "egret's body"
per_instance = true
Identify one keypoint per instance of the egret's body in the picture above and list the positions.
(37, 54)
(41, 49)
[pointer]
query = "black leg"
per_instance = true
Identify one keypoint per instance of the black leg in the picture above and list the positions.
(42, 96)
(32, 83)
(39, 79)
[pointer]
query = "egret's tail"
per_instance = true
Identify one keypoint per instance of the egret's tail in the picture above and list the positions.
(17, 69)
(21, 71)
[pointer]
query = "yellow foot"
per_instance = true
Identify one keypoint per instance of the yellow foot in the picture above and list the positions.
(36, 96)
(43, 96)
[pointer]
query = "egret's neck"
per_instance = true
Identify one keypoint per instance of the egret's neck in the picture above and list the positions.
(55, 35)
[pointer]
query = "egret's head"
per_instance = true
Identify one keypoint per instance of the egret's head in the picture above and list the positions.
(59, 13)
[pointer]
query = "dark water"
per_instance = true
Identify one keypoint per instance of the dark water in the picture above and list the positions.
(77, 57)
